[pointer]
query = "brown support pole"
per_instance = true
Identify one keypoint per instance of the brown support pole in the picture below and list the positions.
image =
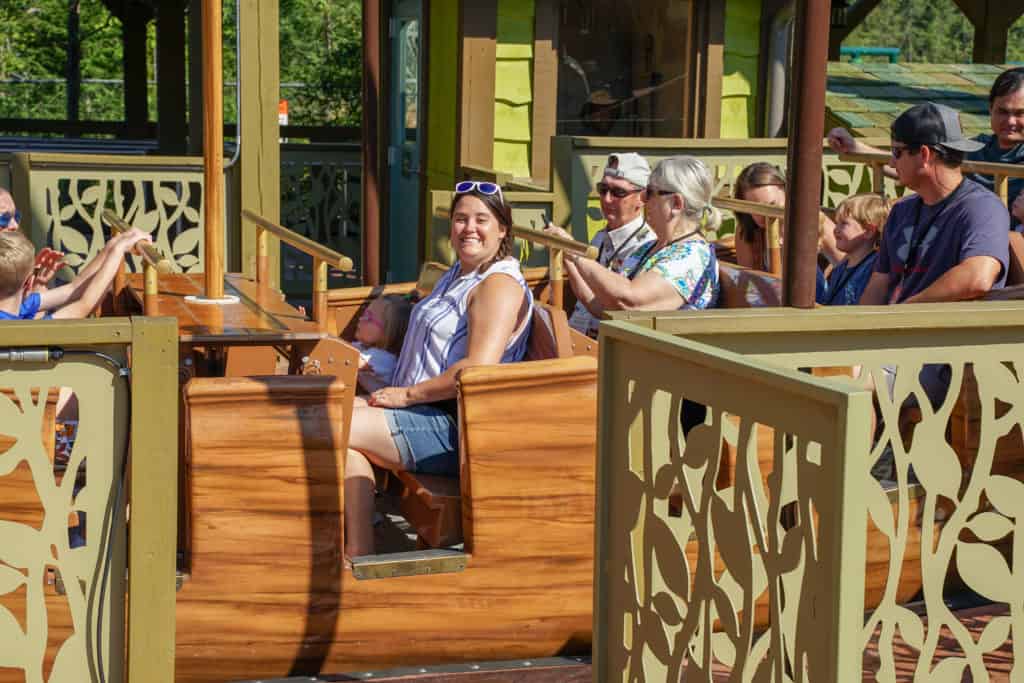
(213, 149)
(806, 132)
(136, 96)
(371, 141)
(170, 78)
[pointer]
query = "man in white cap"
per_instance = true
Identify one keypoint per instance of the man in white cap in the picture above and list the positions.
(621, 190)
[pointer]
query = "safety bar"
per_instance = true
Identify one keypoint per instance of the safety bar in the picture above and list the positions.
(774, 214)
(322, 258)
(1001, 173)
(556, 245)
(153, 263)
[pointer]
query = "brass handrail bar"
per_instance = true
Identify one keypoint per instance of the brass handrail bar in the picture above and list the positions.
(1001, 173)
(150, 253)
(322, 258)
(557, 246)
(153, 263)
(774, 214)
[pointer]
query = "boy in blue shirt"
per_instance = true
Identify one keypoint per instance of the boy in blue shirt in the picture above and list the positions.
(73, 300)
(859, 223)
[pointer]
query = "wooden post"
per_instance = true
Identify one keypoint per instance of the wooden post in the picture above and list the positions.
(151, 289)
(774, 247)
(806, 130)
(120, 282)
(1001, 185)
(555, 277)
(262, 258)
(878, 178)
(133, 41)
(213, 149)
(372, 114)
(170, 98)
(320, 292)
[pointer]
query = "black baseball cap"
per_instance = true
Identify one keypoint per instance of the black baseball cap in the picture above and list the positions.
(934, 125)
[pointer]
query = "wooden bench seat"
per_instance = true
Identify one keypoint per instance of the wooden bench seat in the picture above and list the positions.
(432, 504)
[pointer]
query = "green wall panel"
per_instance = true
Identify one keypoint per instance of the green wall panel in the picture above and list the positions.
(513, 87)
(739, 83)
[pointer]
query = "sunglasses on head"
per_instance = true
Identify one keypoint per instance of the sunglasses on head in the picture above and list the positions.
(617, 192)
(7, 216)
(482, 186)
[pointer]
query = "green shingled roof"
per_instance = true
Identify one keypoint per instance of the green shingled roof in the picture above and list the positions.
(867, 97)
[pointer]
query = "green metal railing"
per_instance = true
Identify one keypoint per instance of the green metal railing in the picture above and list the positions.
(78, 618)
(760, 516)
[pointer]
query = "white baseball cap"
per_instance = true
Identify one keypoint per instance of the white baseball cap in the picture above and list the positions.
(628, 166)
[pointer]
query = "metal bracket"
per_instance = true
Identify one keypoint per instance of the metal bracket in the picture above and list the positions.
(409, 564)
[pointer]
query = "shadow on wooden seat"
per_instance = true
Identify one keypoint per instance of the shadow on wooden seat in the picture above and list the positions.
(433, 504)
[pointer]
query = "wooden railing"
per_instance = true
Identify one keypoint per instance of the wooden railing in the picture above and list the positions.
(153, 263)
(774, 216)
(1001, 173)
(323, 257)
(557, 247)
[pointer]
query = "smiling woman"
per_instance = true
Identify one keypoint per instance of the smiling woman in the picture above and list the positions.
(477, 314)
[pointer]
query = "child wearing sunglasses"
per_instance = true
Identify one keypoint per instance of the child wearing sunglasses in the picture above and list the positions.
(379, 336)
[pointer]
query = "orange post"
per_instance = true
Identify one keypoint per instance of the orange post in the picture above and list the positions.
(151, 289)
(262, 257)
(320, 292)
(213, 149)
(555, 275)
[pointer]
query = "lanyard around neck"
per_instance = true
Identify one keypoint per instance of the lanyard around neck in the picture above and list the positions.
(651, 252)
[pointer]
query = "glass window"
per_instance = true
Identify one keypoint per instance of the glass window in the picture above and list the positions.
(623, 67)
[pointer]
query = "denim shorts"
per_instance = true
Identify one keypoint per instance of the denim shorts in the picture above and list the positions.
(934, 379)
(427, 439)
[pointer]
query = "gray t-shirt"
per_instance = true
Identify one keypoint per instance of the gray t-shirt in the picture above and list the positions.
(993, 153)
(970, 222)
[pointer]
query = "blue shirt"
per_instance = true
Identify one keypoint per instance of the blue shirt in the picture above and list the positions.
(846, 284)
(29, 308)
(992, 152)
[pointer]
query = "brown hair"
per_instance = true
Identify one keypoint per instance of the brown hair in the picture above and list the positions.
(17, 256)
(501, 211)
(867, 209)
(758, 174)
(397, 309)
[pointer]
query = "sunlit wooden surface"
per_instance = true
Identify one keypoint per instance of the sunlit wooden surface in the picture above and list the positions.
(260, 316)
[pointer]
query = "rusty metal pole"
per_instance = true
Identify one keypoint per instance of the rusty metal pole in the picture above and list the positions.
(371, 141)
(806, 132)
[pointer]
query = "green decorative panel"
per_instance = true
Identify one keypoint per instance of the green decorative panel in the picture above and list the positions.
(67, 194)
(321, 198)
(513, 87)
(916, 499)
(580, 169)
(62, 582)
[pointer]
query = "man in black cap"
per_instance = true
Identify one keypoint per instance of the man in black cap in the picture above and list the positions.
(949, 242)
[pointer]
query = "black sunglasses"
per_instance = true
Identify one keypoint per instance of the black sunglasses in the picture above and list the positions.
(651, 191)
(897, 151)
(617, 192)
(7, 216)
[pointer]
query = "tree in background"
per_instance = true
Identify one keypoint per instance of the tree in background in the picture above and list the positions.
(934, 31)
(320, 42)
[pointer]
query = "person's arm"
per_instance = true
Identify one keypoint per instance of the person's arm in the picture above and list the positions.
(842, 142)
(615, 292)
(1017, 208)
(58, 297)
(877, 291)
(581, 289)
(86, 298)
(827, 240)
(494, 311)
(971, 278)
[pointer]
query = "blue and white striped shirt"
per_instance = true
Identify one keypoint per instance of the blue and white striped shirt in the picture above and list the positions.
(438, 335)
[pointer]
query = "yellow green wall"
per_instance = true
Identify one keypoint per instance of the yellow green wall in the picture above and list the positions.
(513, 87)
(739, 81)
(442, 109)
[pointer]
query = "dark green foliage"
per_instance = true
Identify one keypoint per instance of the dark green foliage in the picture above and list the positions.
(927, 31)
(319, 42)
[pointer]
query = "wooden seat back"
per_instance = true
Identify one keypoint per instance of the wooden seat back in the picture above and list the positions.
(741, 287)
(549, 334)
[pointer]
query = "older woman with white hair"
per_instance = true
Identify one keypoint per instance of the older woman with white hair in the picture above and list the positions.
(677, 270)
